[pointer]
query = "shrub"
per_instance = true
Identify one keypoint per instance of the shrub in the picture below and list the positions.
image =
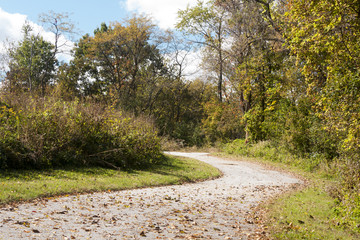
(272, 152)
(40, 133)
(348, 208)
(222, 122)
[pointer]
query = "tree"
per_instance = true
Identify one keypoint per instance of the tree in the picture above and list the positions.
(141, 70)
(207, 22)
(122, 59)
(32, 63)
(67, 82)
(5, 48)
(254, 59)
(59, 24)
(178, 54)
(324, 36)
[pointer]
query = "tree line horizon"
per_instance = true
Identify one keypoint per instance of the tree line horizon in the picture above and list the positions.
(284, 72)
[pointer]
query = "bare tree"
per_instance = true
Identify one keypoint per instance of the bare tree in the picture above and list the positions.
(61, 25)
(207, 22)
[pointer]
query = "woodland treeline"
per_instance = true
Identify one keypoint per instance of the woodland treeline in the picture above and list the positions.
(285, 72)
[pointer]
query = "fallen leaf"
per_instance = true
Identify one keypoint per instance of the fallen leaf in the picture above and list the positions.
(62, 212)
(24, 223)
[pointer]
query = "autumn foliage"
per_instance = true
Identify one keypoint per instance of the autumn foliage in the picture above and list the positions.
(282, 74)
(47, 132)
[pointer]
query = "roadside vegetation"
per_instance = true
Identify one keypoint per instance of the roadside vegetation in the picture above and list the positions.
(40, 133)
(311, 211)
(280, 81)
(24, 185)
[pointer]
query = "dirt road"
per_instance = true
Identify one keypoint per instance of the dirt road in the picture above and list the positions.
(215, 209)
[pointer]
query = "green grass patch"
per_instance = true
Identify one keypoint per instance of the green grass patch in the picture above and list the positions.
(30, 184)
(269, 152)
(308, 213)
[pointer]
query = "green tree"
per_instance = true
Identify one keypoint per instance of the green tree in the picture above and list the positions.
(179, 110)
(207, 22)
(122, 61)
(325, 38)
(141, 70)
(32, 63)
(255, 60)
(67, 86)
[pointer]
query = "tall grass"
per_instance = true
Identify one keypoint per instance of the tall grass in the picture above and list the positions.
(49, 132)
(275, 153)
(334, 189)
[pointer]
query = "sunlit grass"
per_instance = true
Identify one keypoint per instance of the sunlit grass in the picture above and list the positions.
(308, 213)
(27, 185)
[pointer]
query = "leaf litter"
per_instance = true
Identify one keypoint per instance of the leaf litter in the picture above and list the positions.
(216, 209)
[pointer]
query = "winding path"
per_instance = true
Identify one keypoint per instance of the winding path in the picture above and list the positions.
(213, 209)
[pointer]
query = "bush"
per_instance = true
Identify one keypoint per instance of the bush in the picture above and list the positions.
(348, 208)
(222, 122)
(41, 133)
(272, 152)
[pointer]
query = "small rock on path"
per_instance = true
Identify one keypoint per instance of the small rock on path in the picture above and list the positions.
(215, 209)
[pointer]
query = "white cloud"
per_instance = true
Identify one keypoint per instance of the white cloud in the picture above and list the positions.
(11, 30)
(10, 25)
(163, 11)
(190, 61)
(192, 69)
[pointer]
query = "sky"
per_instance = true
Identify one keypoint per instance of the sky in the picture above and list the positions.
(87, 15)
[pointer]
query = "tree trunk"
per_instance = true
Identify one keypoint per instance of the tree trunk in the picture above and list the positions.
(220, 80)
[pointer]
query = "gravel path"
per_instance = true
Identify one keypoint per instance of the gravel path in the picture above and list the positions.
(213, 209)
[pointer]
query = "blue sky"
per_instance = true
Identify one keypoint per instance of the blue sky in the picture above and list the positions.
(87, 15)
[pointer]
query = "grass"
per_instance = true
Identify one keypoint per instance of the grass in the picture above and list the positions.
(306, 213)
(28, 185)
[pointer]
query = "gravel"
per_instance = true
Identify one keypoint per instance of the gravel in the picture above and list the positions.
(215, 209)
